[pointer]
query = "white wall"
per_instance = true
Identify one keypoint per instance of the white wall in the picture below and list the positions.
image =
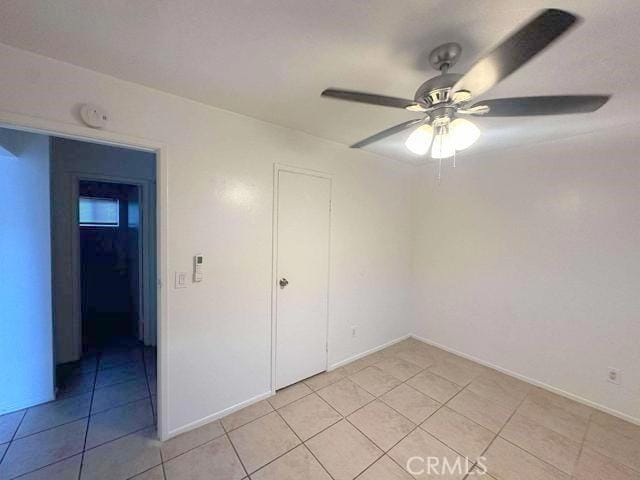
(26, 351)
(529, 259)
(220, 184)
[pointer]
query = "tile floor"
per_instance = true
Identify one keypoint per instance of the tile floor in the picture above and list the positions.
(363, 420)
(105, 401)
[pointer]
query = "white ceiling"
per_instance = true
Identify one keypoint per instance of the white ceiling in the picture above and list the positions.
(270, 59)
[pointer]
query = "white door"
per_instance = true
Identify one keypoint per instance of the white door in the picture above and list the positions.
(303, 222)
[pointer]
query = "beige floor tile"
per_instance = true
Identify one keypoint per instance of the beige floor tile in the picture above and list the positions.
(459, 372)
(380, 355)
(53, 414)
(76, 385)
(119, 356)
(246, 415)
(500, 388)
(298, 464)
(381, 424)
(156, 473)
(489, 414)
(122, 458)
(36, 451)
(505, 461)
(120, 374)
(9, 424)
(545, 398)
(459, 433)
(357, 365)
(119, 421)
(418, 356)
(345, 396)
(547, 445)
(414, 405)
(65, 470)
(398, 368)
(344, 451)
(414, 451)
(615, 438)
(289, 394)
(213, 460)
(263, 440)
(436, 387)
(616, 424)
(555, 418)
(480, 473)
(375, 381)
(594, 466)
(119, 394)
(325, 378)
(385, 469)
(309, 415)
(190, 440)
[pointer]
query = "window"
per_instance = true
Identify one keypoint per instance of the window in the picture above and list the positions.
(99, 212)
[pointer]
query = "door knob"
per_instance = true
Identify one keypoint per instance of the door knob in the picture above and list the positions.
(283, 282)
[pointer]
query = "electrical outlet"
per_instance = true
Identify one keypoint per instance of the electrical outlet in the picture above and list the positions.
(613, 375)
(354, 331)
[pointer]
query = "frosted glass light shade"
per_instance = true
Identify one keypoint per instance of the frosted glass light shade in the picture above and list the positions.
(464, 133)
(420, 140)
(443, 146)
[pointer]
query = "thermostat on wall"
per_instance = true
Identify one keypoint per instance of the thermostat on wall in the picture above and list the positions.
(94, 116)
(198, 260)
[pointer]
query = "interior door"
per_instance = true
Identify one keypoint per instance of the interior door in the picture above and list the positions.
(303, 223)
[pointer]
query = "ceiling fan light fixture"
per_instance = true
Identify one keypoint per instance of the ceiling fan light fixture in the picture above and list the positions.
(464, 133)
(420, 140)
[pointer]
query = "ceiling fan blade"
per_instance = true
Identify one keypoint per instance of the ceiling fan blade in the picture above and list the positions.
(516, 50)
(551, 105)
(386, 133)
(369, 98)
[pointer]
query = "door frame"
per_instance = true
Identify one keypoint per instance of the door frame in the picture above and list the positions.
(44, 126)
(145, 281)
(277, 168)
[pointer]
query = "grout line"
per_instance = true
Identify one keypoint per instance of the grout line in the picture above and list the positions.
(584, 441)
(11, 440)
(237, 454)
(146, 377)
(302, 443)
(86, 433)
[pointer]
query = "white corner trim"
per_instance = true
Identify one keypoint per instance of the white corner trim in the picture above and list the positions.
(367, 352)
(531, 381)
(215, 416)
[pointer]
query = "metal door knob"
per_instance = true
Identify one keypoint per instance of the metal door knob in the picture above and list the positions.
(283, 282)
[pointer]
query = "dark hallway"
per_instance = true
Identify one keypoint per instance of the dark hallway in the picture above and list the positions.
(110, 255)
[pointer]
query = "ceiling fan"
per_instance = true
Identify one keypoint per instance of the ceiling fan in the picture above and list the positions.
(445, 97)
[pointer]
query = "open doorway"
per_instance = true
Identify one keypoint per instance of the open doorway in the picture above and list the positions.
(78, 359)
(104, 270)
(110, 256)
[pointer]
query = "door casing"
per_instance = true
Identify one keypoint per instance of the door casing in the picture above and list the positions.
(277, 168)
(45, 126)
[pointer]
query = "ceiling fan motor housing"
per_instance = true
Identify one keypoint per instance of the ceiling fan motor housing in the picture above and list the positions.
(436, 90)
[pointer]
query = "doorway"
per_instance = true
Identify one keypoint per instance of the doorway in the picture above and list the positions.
(110, 256)
(302, 226)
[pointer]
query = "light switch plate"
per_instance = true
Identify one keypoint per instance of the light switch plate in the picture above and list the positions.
(181, 280)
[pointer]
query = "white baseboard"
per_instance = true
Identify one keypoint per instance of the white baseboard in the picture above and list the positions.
(32, 402)
(217, 415)
(367, 352)
(534, 382)
(262, 396)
